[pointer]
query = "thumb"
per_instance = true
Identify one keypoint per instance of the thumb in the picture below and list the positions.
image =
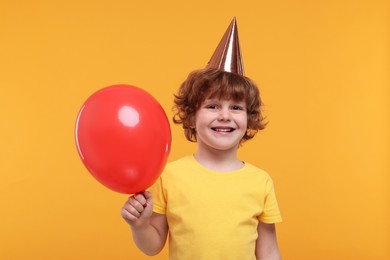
(148, 196)
(148, 207)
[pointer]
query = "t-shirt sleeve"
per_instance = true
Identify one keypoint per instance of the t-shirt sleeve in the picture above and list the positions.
(159, 198)
(271, 213)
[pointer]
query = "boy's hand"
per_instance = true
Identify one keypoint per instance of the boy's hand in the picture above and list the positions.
(138, 209)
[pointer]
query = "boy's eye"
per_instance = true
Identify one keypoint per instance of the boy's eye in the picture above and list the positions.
(212, 106)
(237, 107)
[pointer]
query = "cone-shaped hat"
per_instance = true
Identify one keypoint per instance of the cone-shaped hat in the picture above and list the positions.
(227, 56)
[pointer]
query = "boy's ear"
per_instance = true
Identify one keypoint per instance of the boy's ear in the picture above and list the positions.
(191, 122)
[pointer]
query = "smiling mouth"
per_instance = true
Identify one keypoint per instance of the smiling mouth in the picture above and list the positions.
(223, 130)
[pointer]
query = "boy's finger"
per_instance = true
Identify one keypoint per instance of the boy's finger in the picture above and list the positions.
(147, 195)
(140, 198)
(138, 205)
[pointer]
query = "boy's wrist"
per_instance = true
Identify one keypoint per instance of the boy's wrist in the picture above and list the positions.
(140, 226)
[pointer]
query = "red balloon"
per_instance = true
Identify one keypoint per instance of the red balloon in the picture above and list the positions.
(123, 138)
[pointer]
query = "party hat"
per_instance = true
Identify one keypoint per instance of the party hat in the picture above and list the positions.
(227, 57)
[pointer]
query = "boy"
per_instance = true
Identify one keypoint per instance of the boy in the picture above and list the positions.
(213, 205)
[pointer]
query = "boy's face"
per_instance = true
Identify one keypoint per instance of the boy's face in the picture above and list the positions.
(220, 124)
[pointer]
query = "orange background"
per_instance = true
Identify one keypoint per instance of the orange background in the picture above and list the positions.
(323, 69)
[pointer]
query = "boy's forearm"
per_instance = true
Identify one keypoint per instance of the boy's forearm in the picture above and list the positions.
(148, 239)
(275, 256)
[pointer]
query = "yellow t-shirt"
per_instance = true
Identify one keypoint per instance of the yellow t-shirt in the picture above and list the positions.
(214, 215)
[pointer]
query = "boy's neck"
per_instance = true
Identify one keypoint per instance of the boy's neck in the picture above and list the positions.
(219, 161)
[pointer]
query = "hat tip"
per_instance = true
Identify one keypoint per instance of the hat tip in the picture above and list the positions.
(227, 56)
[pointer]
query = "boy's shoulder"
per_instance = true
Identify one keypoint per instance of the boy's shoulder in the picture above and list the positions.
(250, 168)
(182, 162)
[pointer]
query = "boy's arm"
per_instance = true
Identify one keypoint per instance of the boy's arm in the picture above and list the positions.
(149, 229)
(151, 237)
(266, 244)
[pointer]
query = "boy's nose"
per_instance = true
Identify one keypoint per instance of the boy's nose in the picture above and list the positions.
(224, 115)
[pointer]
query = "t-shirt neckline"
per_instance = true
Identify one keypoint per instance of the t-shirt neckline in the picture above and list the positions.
(202, 168)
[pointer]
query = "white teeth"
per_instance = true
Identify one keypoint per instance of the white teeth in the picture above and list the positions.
(223, 129)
